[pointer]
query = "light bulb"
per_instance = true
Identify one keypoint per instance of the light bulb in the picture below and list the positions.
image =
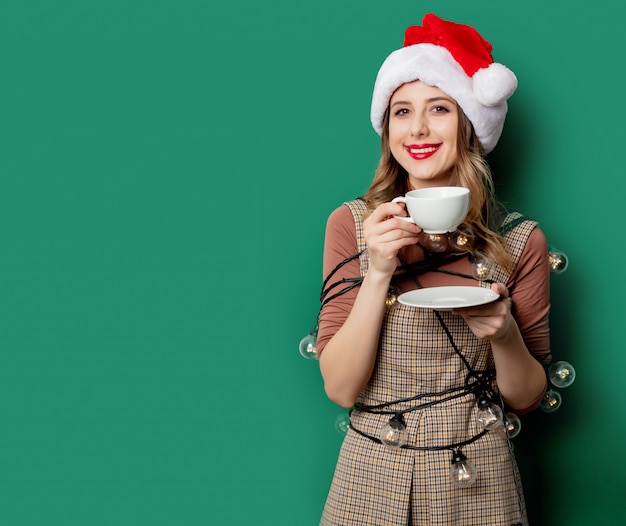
(308, 344)
(435, 242)
(461, 240)
(551, 401)
(562, 374)
(342, 423)
(489, 415)
(558, 261)
(512, 424)
(483, 267)
(462, 471)
(391, 302)
(393, 434)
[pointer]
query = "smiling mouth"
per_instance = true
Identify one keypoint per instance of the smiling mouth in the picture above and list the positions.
(422, 152)
(425, 149)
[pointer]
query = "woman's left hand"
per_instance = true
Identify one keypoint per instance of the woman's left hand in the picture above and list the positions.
(491, 321)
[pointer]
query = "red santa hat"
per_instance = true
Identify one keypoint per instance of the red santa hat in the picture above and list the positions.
(456, 59)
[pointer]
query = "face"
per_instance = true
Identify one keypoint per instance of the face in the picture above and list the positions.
(423, 128)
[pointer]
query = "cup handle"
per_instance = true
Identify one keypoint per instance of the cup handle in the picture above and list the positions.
(402, 199)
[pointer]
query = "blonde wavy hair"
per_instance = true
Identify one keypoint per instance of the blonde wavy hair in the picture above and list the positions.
(479, 230)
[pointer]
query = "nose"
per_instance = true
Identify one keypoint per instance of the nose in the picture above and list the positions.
(419, 127)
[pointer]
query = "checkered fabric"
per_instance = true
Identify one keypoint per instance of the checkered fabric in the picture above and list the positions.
(376, 485)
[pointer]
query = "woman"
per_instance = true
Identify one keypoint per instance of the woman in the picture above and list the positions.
(427, 385)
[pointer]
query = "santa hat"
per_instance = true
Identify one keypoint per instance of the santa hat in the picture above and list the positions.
(456, 59)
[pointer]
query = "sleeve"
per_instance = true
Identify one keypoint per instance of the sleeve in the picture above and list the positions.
(530, 296)
(340, 243)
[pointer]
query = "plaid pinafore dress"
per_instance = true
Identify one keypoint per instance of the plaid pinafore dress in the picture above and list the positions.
(377, 485)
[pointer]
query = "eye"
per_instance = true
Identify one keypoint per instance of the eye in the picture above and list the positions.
(440, 109)
(401, 112)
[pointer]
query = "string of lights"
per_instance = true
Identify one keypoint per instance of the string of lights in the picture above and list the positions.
(490, 415)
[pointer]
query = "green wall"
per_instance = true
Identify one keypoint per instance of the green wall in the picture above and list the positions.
(167, 170)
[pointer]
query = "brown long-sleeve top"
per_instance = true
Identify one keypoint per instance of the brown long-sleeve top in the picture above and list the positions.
(529, 285)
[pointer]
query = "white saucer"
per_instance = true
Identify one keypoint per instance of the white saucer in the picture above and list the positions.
(447, 298)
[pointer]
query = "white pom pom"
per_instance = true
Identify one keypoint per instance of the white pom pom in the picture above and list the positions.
(494, 84)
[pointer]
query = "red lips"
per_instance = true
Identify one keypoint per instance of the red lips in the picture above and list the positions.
(422, 151)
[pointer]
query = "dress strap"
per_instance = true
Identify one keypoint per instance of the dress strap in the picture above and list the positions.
(516, 228)
(359, 209)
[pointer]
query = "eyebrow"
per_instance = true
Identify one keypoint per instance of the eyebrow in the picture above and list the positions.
(434, 99)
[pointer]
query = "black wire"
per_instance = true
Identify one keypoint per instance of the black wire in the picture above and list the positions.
(433, 264)
(376, 407)
(485, 387)
(482, 379)
(462, 392)
(337, 268)
(406, 270)
(445, 328)
(355, 283)
(380, 408)
(451, 447)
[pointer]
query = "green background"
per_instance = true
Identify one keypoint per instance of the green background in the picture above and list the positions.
(167, 170)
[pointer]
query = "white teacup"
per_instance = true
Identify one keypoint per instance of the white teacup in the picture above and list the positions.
(436, 210)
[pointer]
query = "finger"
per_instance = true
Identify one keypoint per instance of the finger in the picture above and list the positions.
(406, 226)
(500, 288)
(391, 241)
(495, 308)
(397, 226)
(386, 210)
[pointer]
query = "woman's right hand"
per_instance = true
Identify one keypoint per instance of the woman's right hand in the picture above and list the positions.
(385, 235)
(349, 357)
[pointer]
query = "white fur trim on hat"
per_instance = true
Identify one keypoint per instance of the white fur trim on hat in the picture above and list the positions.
(482, 98)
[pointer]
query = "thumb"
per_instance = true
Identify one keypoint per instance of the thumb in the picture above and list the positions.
(500, 288)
